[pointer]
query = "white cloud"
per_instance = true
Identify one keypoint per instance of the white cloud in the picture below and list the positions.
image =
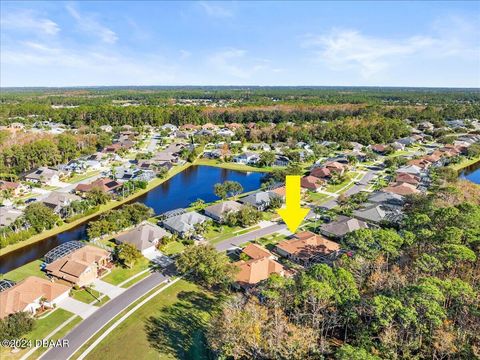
(90, 25)
(350, 48)
(28, 21)
(371, 56)
(234, 62)
(215, 10)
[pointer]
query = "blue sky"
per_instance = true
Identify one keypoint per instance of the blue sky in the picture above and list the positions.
(240, 43)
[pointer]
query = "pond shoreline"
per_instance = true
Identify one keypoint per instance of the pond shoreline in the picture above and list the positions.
(104, 208)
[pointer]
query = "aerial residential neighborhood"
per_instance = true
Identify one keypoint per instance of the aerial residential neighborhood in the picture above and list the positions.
(313, 194)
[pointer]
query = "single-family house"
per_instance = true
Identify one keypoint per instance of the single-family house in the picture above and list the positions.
(281, 160)
(310, 182)
(31, 294)
(379, 148)
(401, 188)
(279, 192)
(411, 169)
(377, 214)
(144, 237)
(218, 211)
(225, 132)
(254, 251)
(335, 166)
(386, 199)
(105, 185)
(341, 226)
(80, 267)
(252, 272)
(59, 201)
(305, 246)
(247, 158)
(184, 224)
(8, 215)
(408, 178)
(259, 200)
(14, 187)
(321, 172)
(44, 176)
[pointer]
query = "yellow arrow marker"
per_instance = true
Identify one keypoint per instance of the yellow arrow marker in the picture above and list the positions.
(293, 214)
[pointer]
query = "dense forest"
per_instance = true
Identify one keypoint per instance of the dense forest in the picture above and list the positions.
(410, 293)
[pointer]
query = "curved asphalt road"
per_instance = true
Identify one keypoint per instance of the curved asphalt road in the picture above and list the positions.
(88, 327)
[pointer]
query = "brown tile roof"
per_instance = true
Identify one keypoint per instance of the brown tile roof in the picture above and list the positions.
(280, 191)
(253, 271)
(5, 185)
(334, 166)
(70, 267)
(18, 297)
(408, 178)
(401, 188)
(421, 163)
(321, 172)
(311, 182)
(256, 251)
(104, 185)
(307, 244)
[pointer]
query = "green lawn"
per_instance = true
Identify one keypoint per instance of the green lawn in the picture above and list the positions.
(58, 335)
(169, 326)
(80, 177)
(464, 163)
(135, 280)
(172, 248)
(119, 274)
(231, 165)
(337, 187)
(86, 296)
(219, 233)
(317, 198)
(270, 241)
(102, 301)
(30, 269)
(41, 329)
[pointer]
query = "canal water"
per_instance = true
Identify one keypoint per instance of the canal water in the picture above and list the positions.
(195, 182)
(472, 173)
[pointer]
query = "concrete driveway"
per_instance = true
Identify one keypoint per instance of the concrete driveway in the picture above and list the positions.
(159, 258)
(77, 307)
(107, 289)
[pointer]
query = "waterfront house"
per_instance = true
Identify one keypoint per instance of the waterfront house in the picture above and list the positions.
(44, 176)
(144, 237)
(247, 158)
(105, 185)
(259, 200)
(8, 215)
(305, 246)
(80, 267)
(184, 224)
(218, 211)
(59, 201)
(31, 294)
(341, 226)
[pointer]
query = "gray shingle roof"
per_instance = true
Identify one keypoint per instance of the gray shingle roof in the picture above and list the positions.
(184, 222)
(143, 236)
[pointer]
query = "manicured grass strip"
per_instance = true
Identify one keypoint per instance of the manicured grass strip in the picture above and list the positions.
(119, 274)
(30, 269)
(135, 280)
(41, 329)
(86, 296)
(168, 326)
(58, 335)
(103, 208)
(102, 301)
(231, 165)
(80, 177)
